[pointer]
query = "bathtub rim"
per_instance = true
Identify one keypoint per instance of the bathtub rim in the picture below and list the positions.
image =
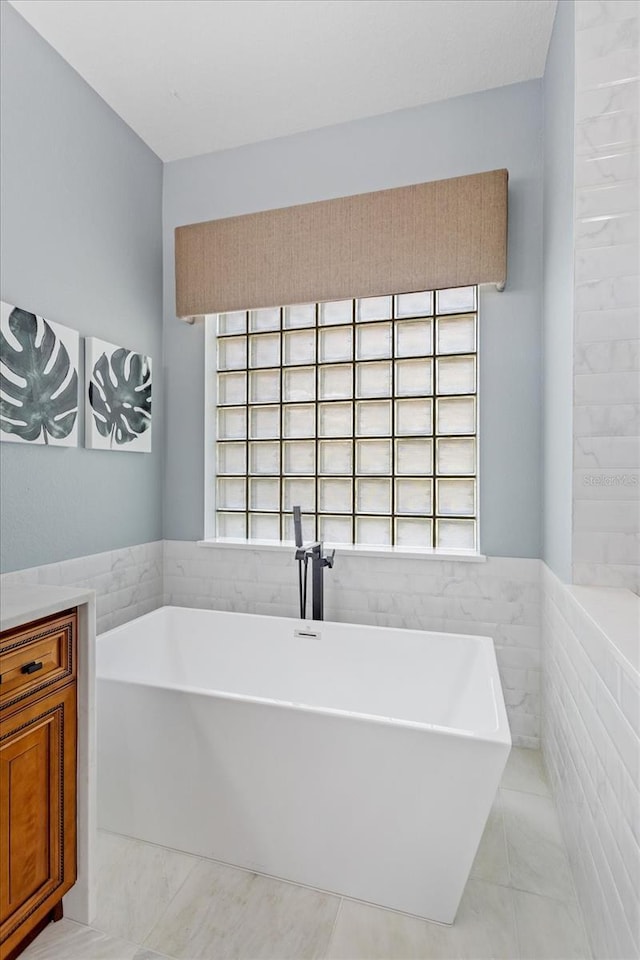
(500, 735)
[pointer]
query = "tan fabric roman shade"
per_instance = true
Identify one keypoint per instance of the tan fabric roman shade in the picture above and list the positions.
(447, 233)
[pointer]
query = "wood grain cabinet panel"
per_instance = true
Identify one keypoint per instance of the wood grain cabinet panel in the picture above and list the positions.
(37, 801)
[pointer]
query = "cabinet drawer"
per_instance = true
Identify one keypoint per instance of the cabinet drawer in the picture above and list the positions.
(37, 657)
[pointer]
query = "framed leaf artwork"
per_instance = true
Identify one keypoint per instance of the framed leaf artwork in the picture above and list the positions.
(39, 362)
(118, 399)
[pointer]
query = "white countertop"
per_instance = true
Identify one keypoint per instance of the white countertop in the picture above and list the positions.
(20, 605)
(616, 612)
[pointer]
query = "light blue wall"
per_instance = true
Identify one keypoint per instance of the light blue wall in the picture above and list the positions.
(81, 244)
(558, 292)
(499, 128)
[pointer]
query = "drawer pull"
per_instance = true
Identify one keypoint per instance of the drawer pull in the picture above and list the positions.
(32, 667)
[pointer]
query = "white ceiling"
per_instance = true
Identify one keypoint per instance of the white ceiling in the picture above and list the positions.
(193, 76)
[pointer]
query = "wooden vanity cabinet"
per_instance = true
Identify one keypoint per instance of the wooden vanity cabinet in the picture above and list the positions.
(38, 733)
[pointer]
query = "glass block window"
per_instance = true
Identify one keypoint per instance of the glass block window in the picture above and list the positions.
(364, 412)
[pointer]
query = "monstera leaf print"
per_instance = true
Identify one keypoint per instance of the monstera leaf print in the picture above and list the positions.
(120, 395)
(39, 397)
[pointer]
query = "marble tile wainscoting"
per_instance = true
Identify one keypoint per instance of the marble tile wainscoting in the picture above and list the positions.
(128, 582)
(606, 411)
(591, 745)
(499, 597)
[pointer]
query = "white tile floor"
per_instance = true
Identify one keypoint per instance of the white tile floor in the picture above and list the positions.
(154, 903)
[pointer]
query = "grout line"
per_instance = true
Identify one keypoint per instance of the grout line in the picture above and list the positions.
(506, 842)
(514, 915)
(333, 928)
(171, 899)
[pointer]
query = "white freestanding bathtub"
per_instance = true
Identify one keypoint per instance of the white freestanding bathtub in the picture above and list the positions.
(359, 760)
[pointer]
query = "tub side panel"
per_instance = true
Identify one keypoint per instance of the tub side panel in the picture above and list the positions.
(383, 814)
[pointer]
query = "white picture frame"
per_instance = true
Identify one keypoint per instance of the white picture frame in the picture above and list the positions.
(118, 411)
(39, 388)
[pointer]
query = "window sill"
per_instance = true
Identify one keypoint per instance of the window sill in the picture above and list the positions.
(413, 553)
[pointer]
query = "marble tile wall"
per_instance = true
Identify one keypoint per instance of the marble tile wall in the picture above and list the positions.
(499, 598)
(128, 582)
(591, 746)
(606, 469)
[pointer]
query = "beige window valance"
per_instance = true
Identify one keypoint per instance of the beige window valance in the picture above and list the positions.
(447, 233)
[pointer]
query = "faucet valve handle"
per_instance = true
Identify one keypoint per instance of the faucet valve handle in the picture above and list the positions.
(328, 559)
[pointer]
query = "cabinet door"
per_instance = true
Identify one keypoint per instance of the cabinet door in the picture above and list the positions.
(37, 811)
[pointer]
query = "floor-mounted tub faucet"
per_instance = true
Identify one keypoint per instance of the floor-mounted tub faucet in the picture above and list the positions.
(319, 560)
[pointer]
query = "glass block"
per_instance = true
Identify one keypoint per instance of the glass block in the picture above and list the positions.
(299, 420)
(373, 456)
(456, 534)
(232, 388)
(334, 529)
(456, 415)
(264, 386)
(299, 457)
(456, 334)
(413, 457)
(373, 379)
(235, 322)
(264, 493)
(456, 374)
(413, 417)
(456, 300)
(456, 498)
(299, 347)
(413, 496)
(299, 383)
(373, 530)
(232, 423)
(336, 383)
(373, 418)
(373, 341)
(373, 496)
(335, 496)
(336, 312)
(335, 344)
(413, 532)
(264, 423)
(373, 308)
(308, 527)
(299, 493)
(300, 315)
(268, 319)
(335, 419)
(232, 353)
(414, 338)
(414, 378)
(264, 457)
(336, 456)
(231, 458)
(264, 526)
(455, 457)
(264, 350)
(414, 304)
(231, 525)
(231, 493)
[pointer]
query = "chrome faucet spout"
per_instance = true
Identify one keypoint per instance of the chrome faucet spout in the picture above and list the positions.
(308, 551)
